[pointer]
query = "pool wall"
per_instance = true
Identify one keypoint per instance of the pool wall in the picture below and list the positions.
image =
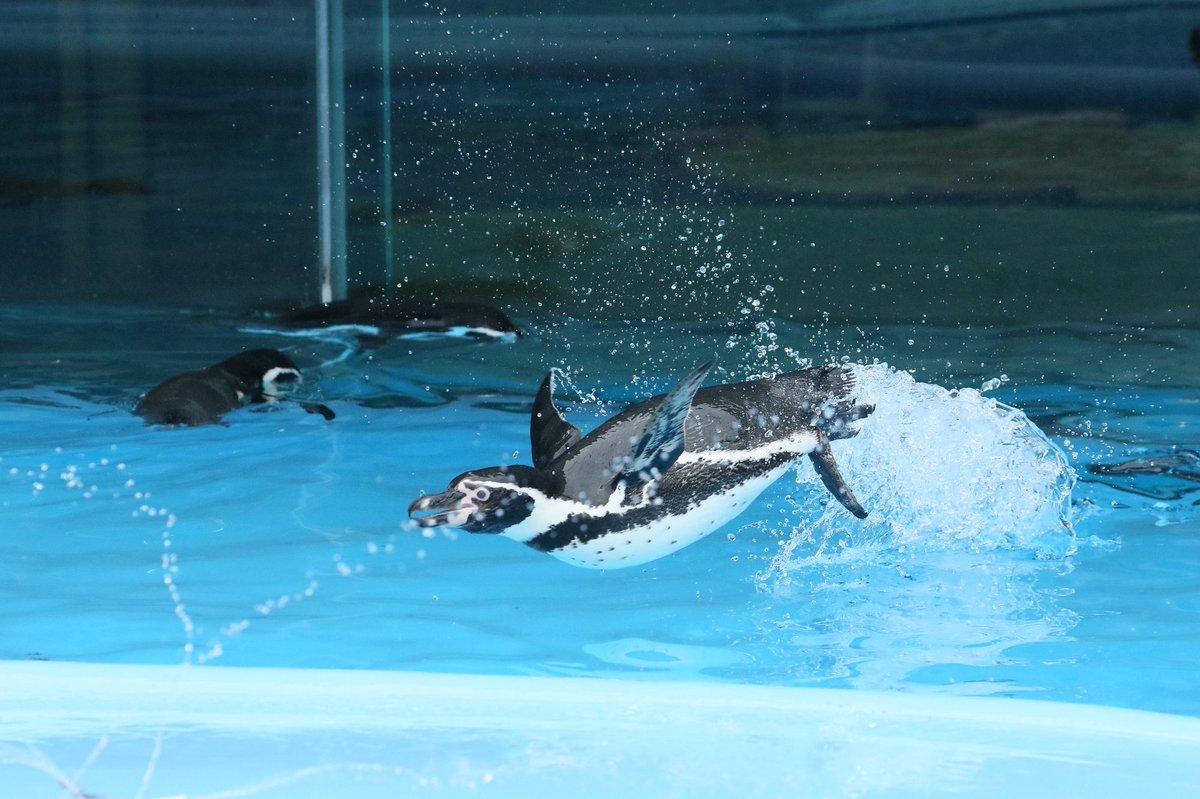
(173, 731)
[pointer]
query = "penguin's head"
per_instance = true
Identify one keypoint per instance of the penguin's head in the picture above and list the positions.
(488, 501)
(263, 375)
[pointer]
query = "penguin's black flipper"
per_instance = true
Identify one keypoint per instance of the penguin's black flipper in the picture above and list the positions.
(663, 441)
(549, 433)
(315, 407)
(831, 476)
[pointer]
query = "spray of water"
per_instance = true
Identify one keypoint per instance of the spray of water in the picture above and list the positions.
(938, 470)
(969, 504)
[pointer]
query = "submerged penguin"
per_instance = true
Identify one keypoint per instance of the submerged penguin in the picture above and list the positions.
(205, 395)
(659, 476)
(377, 320)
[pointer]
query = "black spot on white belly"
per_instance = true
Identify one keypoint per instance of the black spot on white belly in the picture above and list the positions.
(680, 494)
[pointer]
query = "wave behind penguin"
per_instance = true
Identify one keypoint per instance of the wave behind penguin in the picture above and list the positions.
(937, 469)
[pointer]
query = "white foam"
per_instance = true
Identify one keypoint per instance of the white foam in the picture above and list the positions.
(938, 469)
(969, 503)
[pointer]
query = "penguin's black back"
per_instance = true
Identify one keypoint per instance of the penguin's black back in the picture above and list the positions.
(205, 395)
(193, 398)
(738, 416)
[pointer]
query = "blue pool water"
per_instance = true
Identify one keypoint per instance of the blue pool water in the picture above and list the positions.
(987, 210)
(995, 563)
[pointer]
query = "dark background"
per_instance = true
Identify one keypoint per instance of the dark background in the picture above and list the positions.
(960, 162)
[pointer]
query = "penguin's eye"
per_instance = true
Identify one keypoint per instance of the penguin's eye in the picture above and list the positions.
(481, 494)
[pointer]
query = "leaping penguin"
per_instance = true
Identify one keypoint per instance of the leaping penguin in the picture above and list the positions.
(205, 395)
(659, 476)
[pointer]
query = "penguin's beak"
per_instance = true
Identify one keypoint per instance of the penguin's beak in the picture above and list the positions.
(451, 509)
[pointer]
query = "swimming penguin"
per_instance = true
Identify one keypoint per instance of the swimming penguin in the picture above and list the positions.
(205, 395)
(378, 320)
(659, 476)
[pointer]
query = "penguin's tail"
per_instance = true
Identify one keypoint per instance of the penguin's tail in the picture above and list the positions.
(836, 416)
(836, 420)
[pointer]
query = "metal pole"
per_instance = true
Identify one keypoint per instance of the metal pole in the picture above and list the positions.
(337, 129)
(324, 176)
(385, 59)
(331, 156)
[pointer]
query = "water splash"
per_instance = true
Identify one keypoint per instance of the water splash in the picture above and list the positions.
(970, 502)
(938, 469)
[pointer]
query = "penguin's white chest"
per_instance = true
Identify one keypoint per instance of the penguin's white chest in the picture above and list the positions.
(643, 543)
